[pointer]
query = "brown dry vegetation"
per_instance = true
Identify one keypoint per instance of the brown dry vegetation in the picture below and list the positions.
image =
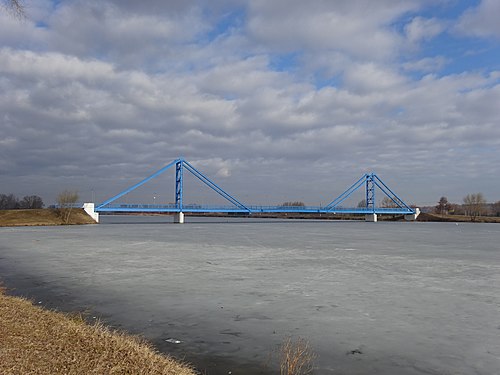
(37, 341)
(457, 218)
(296, 357)
(45, 216)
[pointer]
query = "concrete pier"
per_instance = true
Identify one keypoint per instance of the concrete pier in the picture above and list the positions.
(179, 218)
(372, 218)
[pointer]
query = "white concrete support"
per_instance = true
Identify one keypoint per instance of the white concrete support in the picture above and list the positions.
(179, 218)
(372, 218)
(413, 217)
(90, 210)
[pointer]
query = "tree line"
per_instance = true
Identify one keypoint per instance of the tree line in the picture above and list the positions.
(473, 205)
(11, 202)
(66, 201)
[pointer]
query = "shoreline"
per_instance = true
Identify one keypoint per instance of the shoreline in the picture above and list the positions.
(34, 339)
(42, 217)
(50, 217)
(59, 299)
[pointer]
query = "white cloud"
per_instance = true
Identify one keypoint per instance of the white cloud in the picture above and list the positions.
(17, 33)
(420, 29)
(482, 20)
(427, 64)
(242, 77)
(360, 29)
(52, 66)
(223, 172)
(129, 39)
(368, 77)
(121, 91)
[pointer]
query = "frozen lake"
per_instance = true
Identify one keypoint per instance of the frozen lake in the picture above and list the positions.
(372, 298)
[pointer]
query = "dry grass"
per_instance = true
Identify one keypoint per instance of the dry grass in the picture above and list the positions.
(296, 357)
(38, 341)
(45, 216)
(457, 218)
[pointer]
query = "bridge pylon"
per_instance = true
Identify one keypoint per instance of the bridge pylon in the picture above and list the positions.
(371, 182)
(179, 208)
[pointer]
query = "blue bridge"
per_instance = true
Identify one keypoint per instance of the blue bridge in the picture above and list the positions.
(370, 182)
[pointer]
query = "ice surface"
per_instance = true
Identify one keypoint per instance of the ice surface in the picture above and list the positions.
(372, 298)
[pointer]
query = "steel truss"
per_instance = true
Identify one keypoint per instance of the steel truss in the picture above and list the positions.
(370, 182)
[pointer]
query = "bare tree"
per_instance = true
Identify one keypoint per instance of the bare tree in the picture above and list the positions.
(296, 357)
(8, 202)
(293, 204)
(14, 7)
(66, 202)
(31, 202)
(474, 205)
(388, 203)
(362, 203)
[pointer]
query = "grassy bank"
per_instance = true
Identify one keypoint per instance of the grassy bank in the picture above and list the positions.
(44, 216)
(37, 341)
(457, 218)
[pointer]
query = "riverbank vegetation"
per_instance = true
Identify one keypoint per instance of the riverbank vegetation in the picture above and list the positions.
(11, 202)
(474, 207)
(48, 216)
(37, 341)
(433, 217)
(66, 201)
(296, 357)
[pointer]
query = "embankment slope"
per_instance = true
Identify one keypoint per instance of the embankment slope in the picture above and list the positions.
(457, 218)
(34, 340)
(45, 216)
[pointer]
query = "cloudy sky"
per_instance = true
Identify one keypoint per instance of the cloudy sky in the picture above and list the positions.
(276, 100)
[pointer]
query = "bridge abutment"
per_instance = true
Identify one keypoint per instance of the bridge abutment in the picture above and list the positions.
(89, 208)
(179, 218)
(372, 218)
(413, 217)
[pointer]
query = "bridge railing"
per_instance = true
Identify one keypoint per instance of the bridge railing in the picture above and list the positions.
(67, 205)
(249, 209)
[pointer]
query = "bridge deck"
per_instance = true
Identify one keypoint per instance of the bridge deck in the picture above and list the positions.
(172, 208)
